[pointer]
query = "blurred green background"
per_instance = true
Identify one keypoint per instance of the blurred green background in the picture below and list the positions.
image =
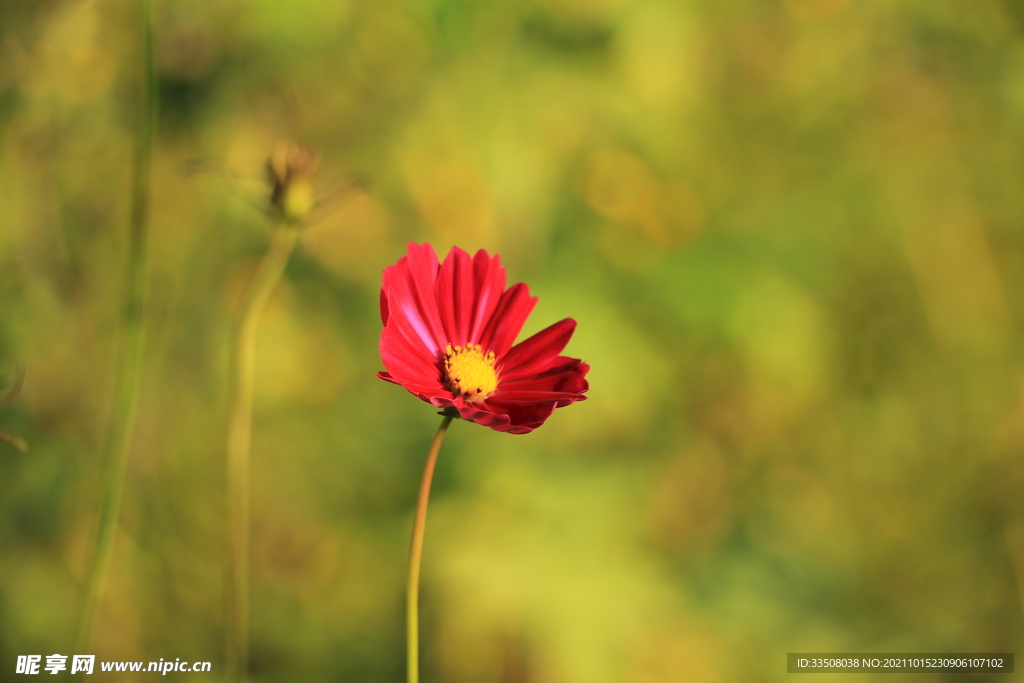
(790, 232)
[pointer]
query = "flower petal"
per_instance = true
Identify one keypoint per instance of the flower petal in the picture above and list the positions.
(565, 381)
(408, 299)
(522, 419)
(455, 292)
(407, 361)
(422, 391)
(525, 398)
(507, 320)
(467, 292)
(489, 280)
(534, 354)
(384, 298)
(481, 413)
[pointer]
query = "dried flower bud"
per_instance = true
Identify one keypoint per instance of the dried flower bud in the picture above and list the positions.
(290, 172)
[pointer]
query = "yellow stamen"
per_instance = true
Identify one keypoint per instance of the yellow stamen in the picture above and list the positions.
(470, 372)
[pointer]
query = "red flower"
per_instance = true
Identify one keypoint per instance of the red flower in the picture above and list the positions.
(448, 334)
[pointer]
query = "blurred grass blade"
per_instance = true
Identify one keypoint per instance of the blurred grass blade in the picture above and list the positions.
(15, 390)
(130, 351)
(14, 440)
(5, 401)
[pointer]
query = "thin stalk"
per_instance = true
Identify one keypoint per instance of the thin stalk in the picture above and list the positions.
(122, 420)
(14, 440)
(412, 608)
(5, 401)
(238, 449)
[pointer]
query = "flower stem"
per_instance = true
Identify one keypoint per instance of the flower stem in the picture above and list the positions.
(419, 524)
(126, 389)
(238, 448)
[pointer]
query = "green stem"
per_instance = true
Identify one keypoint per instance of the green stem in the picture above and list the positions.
(412, 609)
(127, 383)
(238, 448)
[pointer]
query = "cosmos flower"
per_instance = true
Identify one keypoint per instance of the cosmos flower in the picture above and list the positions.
(448, 338)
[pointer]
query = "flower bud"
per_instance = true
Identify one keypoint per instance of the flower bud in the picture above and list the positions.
(290, 172)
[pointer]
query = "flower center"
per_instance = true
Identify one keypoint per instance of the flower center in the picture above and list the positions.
(470, 372)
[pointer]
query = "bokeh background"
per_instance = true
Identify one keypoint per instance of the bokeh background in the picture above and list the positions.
(790, 231)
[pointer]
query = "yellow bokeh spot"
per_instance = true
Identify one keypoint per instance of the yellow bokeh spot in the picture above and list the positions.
(470, 372)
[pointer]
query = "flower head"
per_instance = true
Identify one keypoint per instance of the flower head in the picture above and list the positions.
(448, 338)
